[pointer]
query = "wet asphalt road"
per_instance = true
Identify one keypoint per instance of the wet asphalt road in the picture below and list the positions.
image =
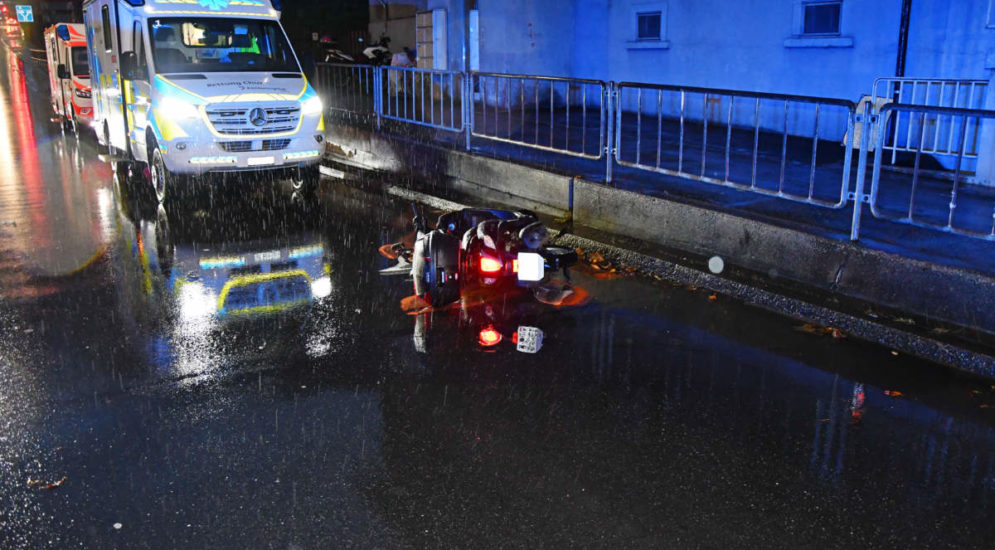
(134, 413)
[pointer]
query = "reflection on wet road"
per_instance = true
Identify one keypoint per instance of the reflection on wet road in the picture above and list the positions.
(234, 371)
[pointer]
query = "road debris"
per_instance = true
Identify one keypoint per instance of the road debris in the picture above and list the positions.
(817, 330)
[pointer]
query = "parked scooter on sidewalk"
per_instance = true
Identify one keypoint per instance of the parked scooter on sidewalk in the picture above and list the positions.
(379, 53)
(332, 52)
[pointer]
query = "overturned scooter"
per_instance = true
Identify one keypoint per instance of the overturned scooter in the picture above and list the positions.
(483, 248)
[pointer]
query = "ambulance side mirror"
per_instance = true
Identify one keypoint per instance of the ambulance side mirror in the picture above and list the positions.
(63, 74)
(129, 67)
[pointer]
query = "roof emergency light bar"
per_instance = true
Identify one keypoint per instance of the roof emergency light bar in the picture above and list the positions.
(62, 31)
(135, 3)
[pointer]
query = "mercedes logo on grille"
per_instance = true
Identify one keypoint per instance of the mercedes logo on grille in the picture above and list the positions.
(257, 116)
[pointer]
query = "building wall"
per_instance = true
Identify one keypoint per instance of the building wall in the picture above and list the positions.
(951, 39)
(396, 20)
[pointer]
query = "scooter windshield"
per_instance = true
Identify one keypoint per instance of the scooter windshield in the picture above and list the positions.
(208, 44)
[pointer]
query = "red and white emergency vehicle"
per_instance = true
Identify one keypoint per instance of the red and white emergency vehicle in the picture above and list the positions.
(69, 74)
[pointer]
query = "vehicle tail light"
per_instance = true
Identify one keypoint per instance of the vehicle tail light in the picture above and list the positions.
(489, 336)
(489, 265)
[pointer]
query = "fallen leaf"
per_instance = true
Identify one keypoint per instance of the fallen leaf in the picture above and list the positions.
(940, 330)
(808, 328)
(712, 297)
(975, 392)
(57, 484)
(892, 393)
(984, 406)
(692, 288)
(893, 352)
(905, 320)
(412, 303)
(836, 333)
(596, 258)
(33, 482)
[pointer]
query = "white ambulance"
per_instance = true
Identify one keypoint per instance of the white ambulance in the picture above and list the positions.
(69, 74)
(187, 87)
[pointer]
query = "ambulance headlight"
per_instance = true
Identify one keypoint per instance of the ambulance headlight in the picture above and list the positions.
(178, 109)
(311, 106)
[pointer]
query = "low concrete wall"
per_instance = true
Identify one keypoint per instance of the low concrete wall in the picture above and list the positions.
(938, 292)
(955, 296)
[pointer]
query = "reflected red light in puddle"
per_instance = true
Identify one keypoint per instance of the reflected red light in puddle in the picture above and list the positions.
(489, 336)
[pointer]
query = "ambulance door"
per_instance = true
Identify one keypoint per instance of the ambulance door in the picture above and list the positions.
(53, 76)
(109, 74)
(66, 84)
(139, 91)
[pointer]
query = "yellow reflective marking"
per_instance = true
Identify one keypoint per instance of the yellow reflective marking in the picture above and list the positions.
(227, 13)
(268, 309)
(168, 128)
(257, 278)
(321, 123)
(173, 84)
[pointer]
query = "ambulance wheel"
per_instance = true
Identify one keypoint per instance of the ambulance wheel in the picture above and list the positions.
(162, 181)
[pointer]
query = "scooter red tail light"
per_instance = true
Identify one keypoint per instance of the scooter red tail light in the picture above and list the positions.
(489, 336)
(489, 265)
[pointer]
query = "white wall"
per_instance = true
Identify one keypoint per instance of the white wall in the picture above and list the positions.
(400, 25)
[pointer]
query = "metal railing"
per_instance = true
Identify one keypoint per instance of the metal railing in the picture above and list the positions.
(919, 197)
(349, 90)
(765, 143)
(425, 97)
(903, 132)
(795, 148)
(561, 115)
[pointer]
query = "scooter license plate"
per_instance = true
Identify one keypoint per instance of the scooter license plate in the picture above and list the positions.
(529, 339)
(531, 266)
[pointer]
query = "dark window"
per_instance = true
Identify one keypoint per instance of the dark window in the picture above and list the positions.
(822, 18)
(648, 25)
(139, 49)
(105, 21)
(81, 67)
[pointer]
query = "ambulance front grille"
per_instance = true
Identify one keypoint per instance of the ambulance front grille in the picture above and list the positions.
(244, 120)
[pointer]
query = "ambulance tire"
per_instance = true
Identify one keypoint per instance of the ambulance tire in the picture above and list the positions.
(163, 182)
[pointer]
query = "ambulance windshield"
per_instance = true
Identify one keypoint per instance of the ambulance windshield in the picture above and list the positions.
(187, 45)
(81, 66)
